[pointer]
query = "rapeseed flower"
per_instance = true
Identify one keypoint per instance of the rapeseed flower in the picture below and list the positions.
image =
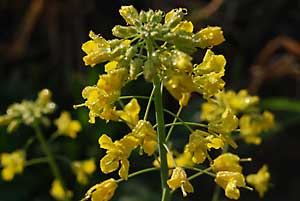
(117, 153)
(58, 192)
(103, 191)
(83, 169)
(179, 179)
(66, 126)
(260, 180)
(13, 163)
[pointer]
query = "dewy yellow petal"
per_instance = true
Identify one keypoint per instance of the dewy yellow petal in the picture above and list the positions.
(227, 162)
(103, 191)
(230, 181)
(179, 179)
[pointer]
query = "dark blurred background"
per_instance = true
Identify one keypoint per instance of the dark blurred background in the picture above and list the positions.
(40, 47)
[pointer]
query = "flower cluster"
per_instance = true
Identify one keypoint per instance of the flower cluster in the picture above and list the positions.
(159, 46)
(28, 112)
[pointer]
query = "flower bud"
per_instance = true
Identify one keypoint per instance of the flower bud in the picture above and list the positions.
(123, 31)
(129, 13)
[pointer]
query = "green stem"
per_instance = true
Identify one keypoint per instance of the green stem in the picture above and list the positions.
(139, 172)
(164, 172)
(130, 97)
(205, 171)
(148, 105)
(49, 155)
(174, 121)
(178, 118)
(36, 161)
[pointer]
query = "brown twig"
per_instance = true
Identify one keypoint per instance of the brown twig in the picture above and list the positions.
(206, 11)
(22, 36)
(267, 67)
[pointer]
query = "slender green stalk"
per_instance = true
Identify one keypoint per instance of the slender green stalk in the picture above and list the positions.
(139, 172)
(148, 105)
(49, 155)
(166, 196)
(36, 161)
(178, 118)
(205, 171)
(174, 121)
(130, 97)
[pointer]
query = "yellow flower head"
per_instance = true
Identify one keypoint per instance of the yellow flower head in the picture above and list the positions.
(209, 37)
(103, 191)
(146, 135)
(12, 163)
(180, 85)
(198, 146)
(227, 162)
(83, 169)
(230, 181)
(117, 152)
(66, 126)
(97, 50)
(58, 192)
(210, 63)
(260, 180)
(130, 114)
(208, 75)
(100, 98)
(240, 101)
(252, 126)
(179, 179)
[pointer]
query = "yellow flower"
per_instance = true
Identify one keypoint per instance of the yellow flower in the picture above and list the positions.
(103, 191)
(252, 126)
(129, 13)
(100, 98)
(209, 37)
(66, 126)
(184, 159)
(240, 101)
(226, 124)
(186, 26)
(180, 85)
(98, 50)
(210, 63)
(230, 181)
(179, 179)
(260, 180)
(13, 163)
(131, 113)
(83, 169)
(200, 143)
(117, 152)
(146, 135)
(227, 162)
(57, 191)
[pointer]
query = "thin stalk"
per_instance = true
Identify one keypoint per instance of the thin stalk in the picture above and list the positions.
(139, 172)
(49, 155)
(130, 97)
(174, 115)
(148, 105)
(174, 121)
(166, 195)
(36, 161)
